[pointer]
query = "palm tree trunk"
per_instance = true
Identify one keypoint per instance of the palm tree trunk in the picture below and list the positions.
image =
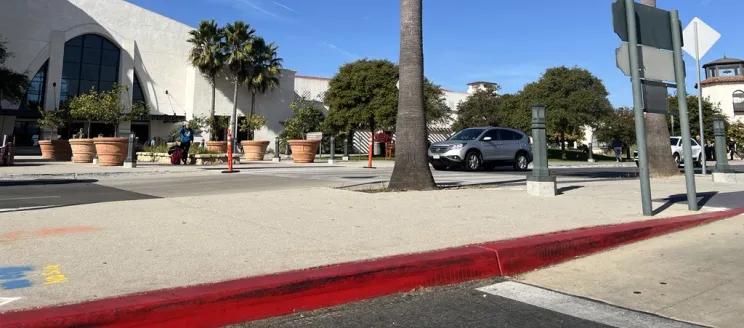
(660, 162)
(250, 117)
(212, 133)
(234, 117)
(411, 171)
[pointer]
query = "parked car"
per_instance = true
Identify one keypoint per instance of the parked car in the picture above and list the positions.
(482, 148)
(677, 151)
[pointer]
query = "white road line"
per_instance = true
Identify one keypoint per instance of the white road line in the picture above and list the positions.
(23, 198)
(15, 209)
(579, 307)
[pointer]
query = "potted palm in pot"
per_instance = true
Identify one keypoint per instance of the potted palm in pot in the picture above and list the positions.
(58, 150)
(254, 150)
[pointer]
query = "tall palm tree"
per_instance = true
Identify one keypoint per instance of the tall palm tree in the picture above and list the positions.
(411, 171)
(207, 55)
(237, 47)
(264, 72)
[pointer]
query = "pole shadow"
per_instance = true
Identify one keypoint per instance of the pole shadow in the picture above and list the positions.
(703, 199)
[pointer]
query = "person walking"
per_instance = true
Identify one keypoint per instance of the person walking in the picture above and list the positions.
(732, 150)
(187, 136)
(617, 145)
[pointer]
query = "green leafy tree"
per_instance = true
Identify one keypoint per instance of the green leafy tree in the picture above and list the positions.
(105, 106)
(252, 123)
(208, 56)
(238, 47)
(736, 132)
(574, 98)
(479, 109)
(264, 71)
(51, 119)
(13, 85)
(363, 95)
(308, 117)
(411, 170)
(619, 123)
(710, 111)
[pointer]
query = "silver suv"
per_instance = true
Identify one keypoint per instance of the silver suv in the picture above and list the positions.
(482, 148)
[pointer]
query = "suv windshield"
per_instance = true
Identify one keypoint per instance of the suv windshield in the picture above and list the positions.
(467, 134)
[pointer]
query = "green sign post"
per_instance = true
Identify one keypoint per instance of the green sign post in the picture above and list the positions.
(647, 27)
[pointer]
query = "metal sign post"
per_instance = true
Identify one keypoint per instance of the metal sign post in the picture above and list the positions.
(704, 37)
(684, 123)
(640, 124)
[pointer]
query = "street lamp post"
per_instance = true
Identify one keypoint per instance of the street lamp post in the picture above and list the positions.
(723, 172)
(540, 182)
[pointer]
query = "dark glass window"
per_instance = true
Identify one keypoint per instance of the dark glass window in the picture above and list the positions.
(35, 91)
(137, 94)
(90, 62)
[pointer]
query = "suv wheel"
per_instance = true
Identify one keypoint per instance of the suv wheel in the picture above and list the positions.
(676, 159)
(521, 163)
(473, 161)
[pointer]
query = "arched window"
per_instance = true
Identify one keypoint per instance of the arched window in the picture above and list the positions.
(37, 88)
(90, 62)
(738, 98)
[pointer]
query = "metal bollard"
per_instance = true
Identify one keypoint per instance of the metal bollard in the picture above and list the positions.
(719, 131)
(541, 183)
(332, 159)
(346, 150)
(130, 162)
(276, 158)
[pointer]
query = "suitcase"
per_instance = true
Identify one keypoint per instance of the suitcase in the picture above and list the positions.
(176, 156)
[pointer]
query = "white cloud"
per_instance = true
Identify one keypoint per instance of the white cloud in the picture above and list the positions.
(342, 51)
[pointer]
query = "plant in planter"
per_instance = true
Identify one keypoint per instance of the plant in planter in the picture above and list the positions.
(83, 107)
(254, 150)
(107, 107)
(50, 121)
(308, 117)
(216, 126)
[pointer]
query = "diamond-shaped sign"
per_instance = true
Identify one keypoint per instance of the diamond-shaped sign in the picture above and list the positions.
(706, 36)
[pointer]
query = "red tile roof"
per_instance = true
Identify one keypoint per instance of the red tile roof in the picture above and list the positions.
(313, 77)
(723, 80)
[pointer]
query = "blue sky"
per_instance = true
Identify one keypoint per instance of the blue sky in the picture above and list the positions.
(508, 42)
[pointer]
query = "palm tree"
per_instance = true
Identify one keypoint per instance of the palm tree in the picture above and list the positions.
(411, 171)
(207, 55)
(264, 72)
(238, 48)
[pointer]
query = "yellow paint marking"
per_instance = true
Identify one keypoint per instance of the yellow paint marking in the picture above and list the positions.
(53, 274)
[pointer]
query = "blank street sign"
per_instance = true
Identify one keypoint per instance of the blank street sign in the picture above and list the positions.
(656, 64)
(655, 99)
(707, 37)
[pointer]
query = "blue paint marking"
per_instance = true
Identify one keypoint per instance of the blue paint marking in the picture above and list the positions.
(15, 284)
(13, 276)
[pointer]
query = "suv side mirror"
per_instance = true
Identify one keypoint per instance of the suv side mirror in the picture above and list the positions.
(486, 138)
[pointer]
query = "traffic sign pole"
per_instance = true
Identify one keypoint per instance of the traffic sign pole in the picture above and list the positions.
(640, 125)
(703, 158)
(684, 123)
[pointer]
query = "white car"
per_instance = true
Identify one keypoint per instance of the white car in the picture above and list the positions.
(677, 151)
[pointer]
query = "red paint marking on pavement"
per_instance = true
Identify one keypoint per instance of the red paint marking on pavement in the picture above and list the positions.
(218, 304)
(15, 235)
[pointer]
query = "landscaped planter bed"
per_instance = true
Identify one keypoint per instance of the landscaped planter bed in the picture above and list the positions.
(194, 159)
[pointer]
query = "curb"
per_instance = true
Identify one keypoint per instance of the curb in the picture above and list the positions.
(253, 298)
(75, 176)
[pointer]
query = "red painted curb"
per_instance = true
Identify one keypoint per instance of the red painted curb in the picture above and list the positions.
(217, 304)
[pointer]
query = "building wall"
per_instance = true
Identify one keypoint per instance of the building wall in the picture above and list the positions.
(722, 95)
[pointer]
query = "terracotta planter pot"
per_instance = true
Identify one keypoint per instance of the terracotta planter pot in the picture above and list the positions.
(111, 151)
(47, 149)
(303, 151)
(254, 149)
(218, 146)
(83, 150)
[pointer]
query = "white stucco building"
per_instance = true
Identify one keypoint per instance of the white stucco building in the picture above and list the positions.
(67, 47)
(724, 85)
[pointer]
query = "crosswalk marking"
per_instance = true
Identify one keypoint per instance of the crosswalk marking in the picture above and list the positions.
(580, 307)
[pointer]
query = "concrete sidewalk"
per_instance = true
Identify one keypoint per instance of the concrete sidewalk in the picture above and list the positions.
(77, 253)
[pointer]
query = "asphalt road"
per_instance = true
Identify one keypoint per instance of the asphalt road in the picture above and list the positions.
(472, 305)
(18, 195)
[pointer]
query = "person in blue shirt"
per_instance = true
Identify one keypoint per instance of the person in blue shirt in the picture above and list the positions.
(187, 136)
